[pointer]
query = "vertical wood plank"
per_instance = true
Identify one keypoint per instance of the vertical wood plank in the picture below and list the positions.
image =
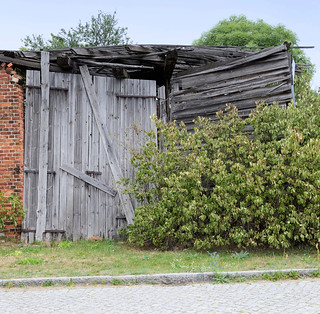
(63, 152)
(51, 150)
(34, 162)
(100, 208)
(111, 203)
(115, 205)
(27, 202)
(135, 134)
(162, 104)
(43, 149)
(126, 89)
(71, 143)
(153, 106)
(121, 131)
(78, 184)
(90, 189)
(86, 135)
(55, 154)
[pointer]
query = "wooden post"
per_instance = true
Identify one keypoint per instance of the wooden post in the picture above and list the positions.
(113, 162)
(43, 146)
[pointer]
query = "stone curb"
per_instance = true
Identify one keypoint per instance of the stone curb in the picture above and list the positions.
(161, 279)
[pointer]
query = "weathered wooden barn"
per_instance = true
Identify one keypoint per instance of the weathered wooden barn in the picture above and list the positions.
(80, 104)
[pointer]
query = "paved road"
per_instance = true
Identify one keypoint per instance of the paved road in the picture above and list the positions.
(301, 296)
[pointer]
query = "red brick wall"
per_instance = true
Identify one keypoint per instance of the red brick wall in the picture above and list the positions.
(11, 136)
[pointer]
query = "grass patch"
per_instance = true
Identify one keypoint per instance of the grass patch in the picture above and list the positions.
(94, 258)
(47, 283)
(281, 276)
(30, 261)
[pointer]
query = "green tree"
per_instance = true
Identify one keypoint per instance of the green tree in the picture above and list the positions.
(239, 31)
(101, 30)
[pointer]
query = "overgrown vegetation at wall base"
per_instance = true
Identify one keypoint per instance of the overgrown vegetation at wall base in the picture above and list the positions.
(222, 186)
(10, 210)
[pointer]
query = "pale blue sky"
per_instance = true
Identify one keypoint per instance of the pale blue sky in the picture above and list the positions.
(160, 22)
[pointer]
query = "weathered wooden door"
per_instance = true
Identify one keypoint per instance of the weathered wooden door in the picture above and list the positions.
(82, 198)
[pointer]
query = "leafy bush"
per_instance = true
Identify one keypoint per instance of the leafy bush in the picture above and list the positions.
(10, 210)
(221, 186)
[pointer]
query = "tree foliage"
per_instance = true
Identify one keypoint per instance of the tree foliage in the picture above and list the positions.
(101, 30)
(220, 186)
(239, 31)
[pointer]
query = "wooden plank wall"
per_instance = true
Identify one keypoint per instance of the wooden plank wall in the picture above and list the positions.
(75, 208)
(264, 76)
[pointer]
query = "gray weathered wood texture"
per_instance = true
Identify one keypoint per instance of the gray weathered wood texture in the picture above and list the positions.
(201, 80)
(76, 151)
(106, 141)
(263, 76)
(81, 196)
(152, 62)
(43, 146)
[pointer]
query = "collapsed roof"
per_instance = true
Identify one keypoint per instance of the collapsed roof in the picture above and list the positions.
(202, 79)
(155, 62)
(266, 75)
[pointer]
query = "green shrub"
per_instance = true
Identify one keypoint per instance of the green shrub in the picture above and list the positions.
(10, 210)
(221, 186)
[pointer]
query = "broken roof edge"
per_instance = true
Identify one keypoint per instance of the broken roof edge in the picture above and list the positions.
(210, 68)
(145, 61)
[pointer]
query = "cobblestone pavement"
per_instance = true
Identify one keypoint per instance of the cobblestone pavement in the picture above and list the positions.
(301, 296)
